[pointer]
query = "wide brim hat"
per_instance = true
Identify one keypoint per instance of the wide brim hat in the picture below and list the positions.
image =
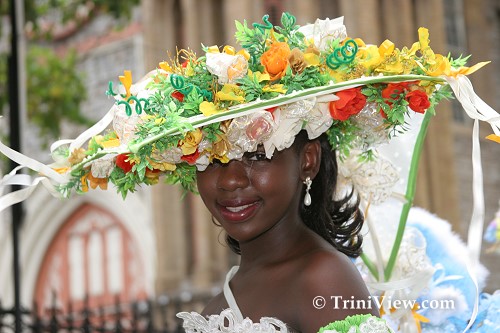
(192, 110)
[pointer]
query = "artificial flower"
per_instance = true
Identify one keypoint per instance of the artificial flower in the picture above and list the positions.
(76, 156)
(322, 32)
(393, 91)
(227, 67)
(418, 100)
(162, 166)
(123, 163)
(190, 143)
(220, 148)
(178, 96)
(494, 137)
(279, 88)
(208, 108)
(350, 102)
(191, 158)
(126, 80)
(297, 61)
(94, 182)
(369, 58)
(231, 92)
(275, 60)
(152, 177)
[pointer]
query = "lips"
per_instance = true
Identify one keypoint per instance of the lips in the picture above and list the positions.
(238, 210)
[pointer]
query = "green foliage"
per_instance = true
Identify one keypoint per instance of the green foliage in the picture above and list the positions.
(55, 90)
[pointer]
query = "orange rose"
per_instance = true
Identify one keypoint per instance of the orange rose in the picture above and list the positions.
(275, 60)
(350, 102)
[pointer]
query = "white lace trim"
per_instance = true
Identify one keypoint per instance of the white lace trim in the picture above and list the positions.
(227, 322)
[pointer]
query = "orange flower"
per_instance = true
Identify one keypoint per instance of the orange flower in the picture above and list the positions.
(275, 60)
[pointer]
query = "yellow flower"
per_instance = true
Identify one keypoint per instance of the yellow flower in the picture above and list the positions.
(162, 166)
(126, 80)
(160, 121)
(219, 149)
(231, 92)
(166, 67)
(386, 48)
(369, 57)
(274, 88)
(261, 76)
(311, 59)
(110, 143)
(208, 108)
(493, 137)
(61, 170)
(191, 141)
(466, 70)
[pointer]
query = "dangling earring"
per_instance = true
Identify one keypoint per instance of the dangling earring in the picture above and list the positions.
(307, 197)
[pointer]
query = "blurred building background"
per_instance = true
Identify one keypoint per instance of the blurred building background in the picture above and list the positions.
(155, 245)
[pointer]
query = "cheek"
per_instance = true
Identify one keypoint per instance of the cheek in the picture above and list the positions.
(205, 181)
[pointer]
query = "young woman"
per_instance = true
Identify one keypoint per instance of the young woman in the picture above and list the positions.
(256, 131)
(295, 263)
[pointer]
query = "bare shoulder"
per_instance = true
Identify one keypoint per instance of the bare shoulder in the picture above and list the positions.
(215, 306)
(331, 289)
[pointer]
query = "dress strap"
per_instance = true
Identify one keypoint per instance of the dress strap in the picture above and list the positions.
(228, 294)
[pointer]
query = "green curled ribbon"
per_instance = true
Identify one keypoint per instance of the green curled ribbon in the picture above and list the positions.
(342, 55)
(263, 27)
(110, 91)
(138, 105)
(179, 84)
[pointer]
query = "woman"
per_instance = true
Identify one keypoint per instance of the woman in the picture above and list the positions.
(256, 131)
(291, 253)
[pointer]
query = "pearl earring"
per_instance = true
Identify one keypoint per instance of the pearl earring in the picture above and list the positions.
(307, 197)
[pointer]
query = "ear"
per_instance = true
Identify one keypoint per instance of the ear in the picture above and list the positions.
(311, 159)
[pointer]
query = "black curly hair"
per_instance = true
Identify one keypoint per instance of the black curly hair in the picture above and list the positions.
(338, 221)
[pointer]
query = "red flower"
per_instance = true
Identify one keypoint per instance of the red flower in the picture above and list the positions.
(191, 158)
(393, 90)
(178, 95)
(123, 163)
(418, 100)
(350, 102)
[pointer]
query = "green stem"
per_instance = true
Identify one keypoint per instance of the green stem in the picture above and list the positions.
(410, 193)
(370, 265)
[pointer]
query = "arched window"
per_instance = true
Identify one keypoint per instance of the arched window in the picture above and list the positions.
(92, 259)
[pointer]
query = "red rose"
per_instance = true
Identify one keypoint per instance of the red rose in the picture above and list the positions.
(350, 102)
(178, 95)
(123, 163)
(393, 90)
(418, 100)
(191, 158)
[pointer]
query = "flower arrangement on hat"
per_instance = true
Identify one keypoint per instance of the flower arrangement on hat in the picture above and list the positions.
(193, 110)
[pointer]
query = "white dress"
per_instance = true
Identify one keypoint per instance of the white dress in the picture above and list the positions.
(232, 321)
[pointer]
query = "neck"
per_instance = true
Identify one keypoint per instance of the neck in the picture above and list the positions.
(275, 245)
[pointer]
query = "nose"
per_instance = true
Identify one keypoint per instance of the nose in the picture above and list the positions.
(232, 176)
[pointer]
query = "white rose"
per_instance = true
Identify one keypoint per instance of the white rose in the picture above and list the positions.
(227, 67)
(323, 31)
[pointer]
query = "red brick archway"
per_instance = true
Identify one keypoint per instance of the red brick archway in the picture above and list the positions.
(92, 257)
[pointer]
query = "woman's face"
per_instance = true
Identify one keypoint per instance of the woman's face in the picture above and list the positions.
(250, 196)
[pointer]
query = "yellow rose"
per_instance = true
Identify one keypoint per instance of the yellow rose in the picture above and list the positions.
(191, 141)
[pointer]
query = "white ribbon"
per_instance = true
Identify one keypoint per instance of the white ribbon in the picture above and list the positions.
(476, 109)
(49, 177)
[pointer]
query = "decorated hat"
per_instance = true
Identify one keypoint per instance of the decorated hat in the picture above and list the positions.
(193, 110)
